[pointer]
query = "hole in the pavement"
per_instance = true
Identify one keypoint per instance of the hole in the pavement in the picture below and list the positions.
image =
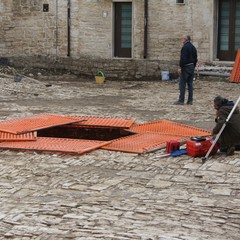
(89, 133)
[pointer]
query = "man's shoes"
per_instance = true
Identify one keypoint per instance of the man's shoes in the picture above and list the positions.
(237, 147)
(223, 149)
(230, 151)
(178, 103)
(189, 103)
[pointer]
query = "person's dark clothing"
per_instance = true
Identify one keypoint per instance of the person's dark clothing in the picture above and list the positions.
(188, 61)
(231, 133)
(188, 54)
(186, 79)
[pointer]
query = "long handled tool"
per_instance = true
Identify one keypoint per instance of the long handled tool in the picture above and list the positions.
(175, 153)
(220, 132)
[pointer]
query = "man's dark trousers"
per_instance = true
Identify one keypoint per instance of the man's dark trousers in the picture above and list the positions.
(186, 78)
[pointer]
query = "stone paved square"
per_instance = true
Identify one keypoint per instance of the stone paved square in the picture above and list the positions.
(114, 195)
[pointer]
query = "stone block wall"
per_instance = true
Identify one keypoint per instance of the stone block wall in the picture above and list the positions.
(26, 31)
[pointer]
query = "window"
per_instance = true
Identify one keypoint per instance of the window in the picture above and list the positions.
(123, 29)
(45, 7)
(180, 1)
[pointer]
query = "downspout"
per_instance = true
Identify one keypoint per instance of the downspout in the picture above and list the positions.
(56, 28)
(69, 28)
(145, 28)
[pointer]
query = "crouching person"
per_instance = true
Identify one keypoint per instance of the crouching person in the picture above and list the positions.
(230, 137)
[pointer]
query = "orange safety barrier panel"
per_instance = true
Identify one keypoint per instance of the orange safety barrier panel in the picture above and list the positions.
(58, 145)
(142, 142)
(148, 136)
(104, 121)
(33, 123)
(169, 127)
(18, 137)
(235, 75)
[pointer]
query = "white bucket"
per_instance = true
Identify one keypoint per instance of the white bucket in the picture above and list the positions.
(165, 75)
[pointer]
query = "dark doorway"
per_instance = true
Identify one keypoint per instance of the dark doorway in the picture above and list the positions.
(229, 29)
(123, 29)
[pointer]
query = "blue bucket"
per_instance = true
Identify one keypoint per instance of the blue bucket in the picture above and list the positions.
(165, 75)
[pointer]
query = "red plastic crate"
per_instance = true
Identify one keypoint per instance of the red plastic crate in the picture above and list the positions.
(172, 145)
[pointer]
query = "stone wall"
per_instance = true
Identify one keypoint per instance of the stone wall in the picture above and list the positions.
(114, 69)
(29, 33)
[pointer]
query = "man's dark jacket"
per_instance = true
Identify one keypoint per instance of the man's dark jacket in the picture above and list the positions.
(188, 54)
(231, 133)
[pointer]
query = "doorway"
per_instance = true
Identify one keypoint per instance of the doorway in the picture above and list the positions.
(228, 29)
(123, 29)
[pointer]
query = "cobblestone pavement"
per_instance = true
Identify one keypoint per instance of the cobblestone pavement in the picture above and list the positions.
(115, 195)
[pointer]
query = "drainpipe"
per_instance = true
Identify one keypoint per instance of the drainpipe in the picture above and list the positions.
(145, 28)
(56, 28)
(69, 29)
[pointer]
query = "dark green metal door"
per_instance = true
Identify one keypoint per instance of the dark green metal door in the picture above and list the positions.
(229, 29)
(123, 29)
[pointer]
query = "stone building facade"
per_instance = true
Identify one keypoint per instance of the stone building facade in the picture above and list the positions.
(83, 35)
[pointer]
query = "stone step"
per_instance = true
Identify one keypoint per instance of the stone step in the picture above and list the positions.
(222, 69)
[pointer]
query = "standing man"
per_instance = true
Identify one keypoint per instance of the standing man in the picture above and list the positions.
(188, 61)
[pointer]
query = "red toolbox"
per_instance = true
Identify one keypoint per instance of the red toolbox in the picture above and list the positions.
(198, 146)
(172, 145)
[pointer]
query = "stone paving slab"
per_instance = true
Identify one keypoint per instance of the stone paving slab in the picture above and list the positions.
(114, 195)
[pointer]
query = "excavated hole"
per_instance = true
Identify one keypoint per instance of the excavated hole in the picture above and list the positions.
(89, 133)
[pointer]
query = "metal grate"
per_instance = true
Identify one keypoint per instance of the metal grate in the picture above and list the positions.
(59, 145)
(104, 121)
(18, 137)
(142, 142)
(169, 127)
(235, 75)
(33, 123)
